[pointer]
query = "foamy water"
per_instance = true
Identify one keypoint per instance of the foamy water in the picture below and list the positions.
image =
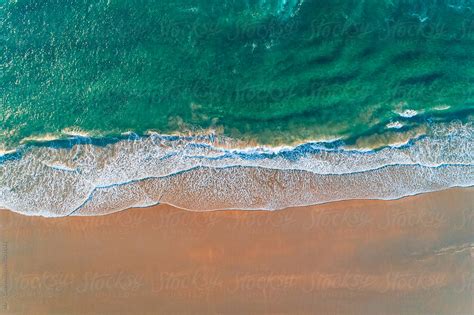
(196, 174)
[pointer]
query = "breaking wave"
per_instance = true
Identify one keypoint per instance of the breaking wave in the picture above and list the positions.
(84, 176)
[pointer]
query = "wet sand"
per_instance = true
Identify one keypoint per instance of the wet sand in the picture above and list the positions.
(408, 256)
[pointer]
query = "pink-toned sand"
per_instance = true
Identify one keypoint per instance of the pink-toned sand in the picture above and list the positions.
(408, 256)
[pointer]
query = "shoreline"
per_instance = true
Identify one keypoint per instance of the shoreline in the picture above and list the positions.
(220, 189)
(58, 180)
(471, 187)
(177, 207)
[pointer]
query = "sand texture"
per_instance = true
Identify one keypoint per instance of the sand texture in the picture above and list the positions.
(407, 256)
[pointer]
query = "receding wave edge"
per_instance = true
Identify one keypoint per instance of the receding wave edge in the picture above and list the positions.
(197, 173)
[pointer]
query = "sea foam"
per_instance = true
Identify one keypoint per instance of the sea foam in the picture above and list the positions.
(195, 173)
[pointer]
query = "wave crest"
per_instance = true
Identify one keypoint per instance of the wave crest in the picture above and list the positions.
(197, 174)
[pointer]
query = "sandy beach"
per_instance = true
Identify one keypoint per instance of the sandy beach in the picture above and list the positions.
(277, 157)
(407, 256)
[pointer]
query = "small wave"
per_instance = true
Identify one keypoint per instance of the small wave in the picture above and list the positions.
(76, 132)
(43, 138)
(408, 113)
(440, 108)
(394, 125)
(6, 152)
(56, 179)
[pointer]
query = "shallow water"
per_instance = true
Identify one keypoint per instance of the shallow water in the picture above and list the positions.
(83, 176)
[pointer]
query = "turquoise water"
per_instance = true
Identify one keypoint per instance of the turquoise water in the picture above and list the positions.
(271, 71)
(210, 105)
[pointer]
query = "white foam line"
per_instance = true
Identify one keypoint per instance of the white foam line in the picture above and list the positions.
(65, 176)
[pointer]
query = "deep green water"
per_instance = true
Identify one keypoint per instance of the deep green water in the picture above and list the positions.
(263, 70)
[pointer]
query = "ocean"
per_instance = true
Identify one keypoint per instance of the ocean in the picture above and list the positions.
(110, 104)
